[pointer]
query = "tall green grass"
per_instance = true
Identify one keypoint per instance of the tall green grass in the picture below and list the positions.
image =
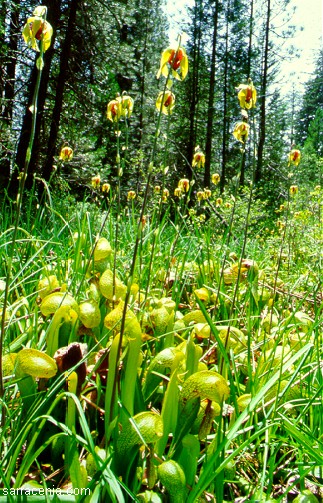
(260, 331)
(161, 349)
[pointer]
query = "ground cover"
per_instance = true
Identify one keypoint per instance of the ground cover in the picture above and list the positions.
(160, 344)
(193, 374)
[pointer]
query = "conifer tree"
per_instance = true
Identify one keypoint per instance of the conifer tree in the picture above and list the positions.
(312, 101)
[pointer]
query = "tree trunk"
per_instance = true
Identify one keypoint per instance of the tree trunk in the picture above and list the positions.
(9, 85)
(243, 160)
(198, 10)
(262, 118)
(3, 45)
(250, 39)
(210, 110)
(8, 90)
(62, 77)
(23, 143)
(225, 103)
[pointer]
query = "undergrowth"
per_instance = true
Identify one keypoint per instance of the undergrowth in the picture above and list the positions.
(160, 345)
(220, 364)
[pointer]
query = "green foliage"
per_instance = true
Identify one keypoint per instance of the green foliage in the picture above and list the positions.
(269, 354)
(311, 102)
(160, 345)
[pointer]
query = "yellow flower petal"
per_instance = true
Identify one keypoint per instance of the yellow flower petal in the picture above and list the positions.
(165, 102)
(40, 11)
(294, 157)
(247, 96)
(114, 110)
(174, 60)
(241, 131)
(35, 31)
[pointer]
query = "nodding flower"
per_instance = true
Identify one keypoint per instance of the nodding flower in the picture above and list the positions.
(200, 195)
(37, 30)
(184, 184)
(294, 157)
(293, 189)
(114, 110)
(105, 187)
(165, 102)
(66, 153)
(121, 106)
(173, 61)
(126, 105)
(247, 95)
(198, 158)
(241, 131)
(215, 178)
(178, 192)
(95, 181)
(165, 195)
(131, 195)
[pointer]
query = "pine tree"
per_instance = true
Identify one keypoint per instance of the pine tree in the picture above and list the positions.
(53, 14)
(104, 50)
(312, 102)
(10, 31)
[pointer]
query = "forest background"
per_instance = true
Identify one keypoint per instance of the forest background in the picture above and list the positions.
(99, 50)
(160, 277)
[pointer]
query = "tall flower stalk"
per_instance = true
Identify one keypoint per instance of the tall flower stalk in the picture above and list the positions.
(120, 107)
(166, 101)
(37, 33)
(247, 98)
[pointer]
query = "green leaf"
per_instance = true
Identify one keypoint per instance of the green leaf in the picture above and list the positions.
(185, 421)
(205, 384)
(143, 429)
(77, 471)
(53, 301)
(210, 471)
(172, 477)
(35, 363)
(169, 412)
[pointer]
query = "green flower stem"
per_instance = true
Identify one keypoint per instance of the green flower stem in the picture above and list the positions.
(70, 418)
(279, 260)
(110, 415)
(119, 168)
(110, 404)
(159, 210)
(131, 371)
(225, 248)
(22, 181)
(236, 289)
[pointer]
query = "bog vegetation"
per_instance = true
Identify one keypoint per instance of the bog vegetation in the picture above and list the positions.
(161, 309)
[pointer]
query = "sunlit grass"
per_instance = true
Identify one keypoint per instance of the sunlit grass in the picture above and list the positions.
(159, 345)
(267, 345)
